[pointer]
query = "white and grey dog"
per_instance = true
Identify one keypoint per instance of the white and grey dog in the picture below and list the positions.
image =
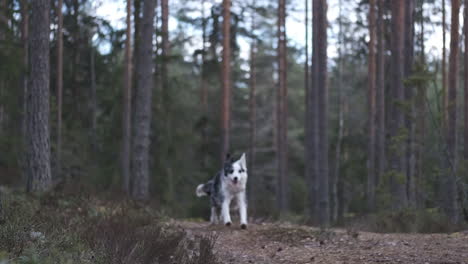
(230, 183)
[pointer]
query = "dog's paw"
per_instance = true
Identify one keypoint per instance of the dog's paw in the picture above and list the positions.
(244, 226)
(228, 224)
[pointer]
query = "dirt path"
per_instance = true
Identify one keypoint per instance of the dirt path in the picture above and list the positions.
(282, 243)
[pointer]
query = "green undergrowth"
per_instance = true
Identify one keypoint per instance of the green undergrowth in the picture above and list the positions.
(78, 228)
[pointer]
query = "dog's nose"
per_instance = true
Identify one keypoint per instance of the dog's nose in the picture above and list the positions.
(235, 178)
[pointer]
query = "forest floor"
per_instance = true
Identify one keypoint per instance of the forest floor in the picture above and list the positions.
(286, 243)
(78, 228)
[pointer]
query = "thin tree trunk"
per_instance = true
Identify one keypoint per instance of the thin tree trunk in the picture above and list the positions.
(93, 97)
(226, 79)
(380, 96)
(59, 86)
(24, 79)
(450, 192)
(37, 99)
(252, 112)
(312, 121)
(397, 146)
(204, 91)
(334, 180)
(127, 104)
(3, 27)
(410, 123)
(371, 111)
(143, 102)
(465, 79)
(322, 96)
(420, 123)
(444, 70)
(282, 112)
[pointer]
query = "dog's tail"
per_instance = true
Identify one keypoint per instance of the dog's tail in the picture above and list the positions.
(201, 190)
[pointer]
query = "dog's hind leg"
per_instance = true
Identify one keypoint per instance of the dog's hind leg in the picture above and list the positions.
(214, 216)
(242, 209)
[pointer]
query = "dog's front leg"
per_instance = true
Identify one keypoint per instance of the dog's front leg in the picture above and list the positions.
(225, 211)
(241, 201)
(214, 216)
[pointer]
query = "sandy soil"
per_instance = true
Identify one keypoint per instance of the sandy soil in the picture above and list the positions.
(286, 243)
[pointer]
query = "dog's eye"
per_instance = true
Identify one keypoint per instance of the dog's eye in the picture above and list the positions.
(231, 171)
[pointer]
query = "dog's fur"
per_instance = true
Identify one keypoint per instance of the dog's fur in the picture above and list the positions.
(230, 183)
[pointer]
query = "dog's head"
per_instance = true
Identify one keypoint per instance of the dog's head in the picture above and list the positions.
(235, 171)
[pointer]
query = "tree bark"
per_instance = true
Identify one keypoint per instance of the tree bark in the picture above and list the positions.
(380, 96)
(143, 102)
(450, 192)
(335, 177)
(226, 79)
(371, 110)
(465, 79)
(320, 87)
(252, 112)
(282, 114)
(127, 104)
(312, 121)
(24, 79)
(444, 71)
(410, 123)
(59, 85)
(397, 126)
(420, 120)
(37, 98)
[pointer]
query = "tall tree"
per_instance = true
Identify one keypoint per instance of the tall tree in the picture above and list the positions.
(59, 85)
(318, 115)
(143, 102)
(226, 79)
(450, 190)
(252, 108)
(380, 95)
(335, 177)
(396, 129)
(465, 79)
(282, 124)
(37, 99)
(127, 103)
(410, 124)
(371, 111)
(444, 69)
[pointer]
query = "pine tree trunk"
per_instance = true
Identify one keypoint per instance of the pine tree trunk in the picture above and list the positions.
(37, 99)
(322, 96)
(444, 71)
(450, 192)
(410, 124)
(127, 104)
(59, 86)
(93, 98)
(226, 79)
(252, 115)
(465, 79)
(143, 101)
(312, 121)
(204, 92)
(397, 144)
(335, 176)
(282, 156)
(420, 121)
(380, 96)
(24, 78)
(371, 111)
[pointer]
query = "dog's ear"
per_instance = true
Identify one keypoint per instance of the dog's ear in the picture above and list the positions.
(228, 158)
(243, 161)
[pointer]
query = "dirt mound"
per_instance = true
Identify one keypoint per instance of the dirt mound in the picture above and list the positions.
(284, 243)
